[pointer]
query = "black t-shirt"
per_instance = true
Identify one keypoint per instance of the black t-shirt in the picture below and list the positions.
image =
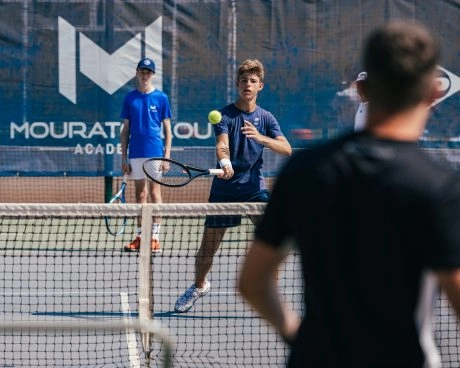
(371, 218)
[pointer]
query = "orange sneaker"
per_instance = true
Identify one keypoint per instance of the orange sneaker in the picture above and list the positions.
(135, 245)
(155, 246)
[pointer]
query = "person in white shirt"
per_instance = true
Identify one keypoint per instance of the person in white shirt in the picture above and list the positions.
(361, 113)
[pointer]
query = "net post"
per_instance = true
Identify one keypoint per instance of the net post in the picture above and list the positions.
(145, 276)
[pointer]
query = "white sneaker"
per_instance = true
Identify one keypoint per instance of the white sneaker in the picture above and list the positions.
(191, 295)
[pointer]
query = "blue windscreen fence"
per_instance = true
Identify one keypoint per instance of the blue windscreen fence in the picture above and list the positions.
(66, 66)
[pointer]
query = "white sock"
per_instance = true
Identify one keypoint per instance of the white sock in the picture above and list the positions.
(156, 231)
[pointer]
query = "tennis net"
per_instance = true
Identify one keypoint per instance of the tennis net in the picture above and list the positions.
(69, 296)
(60, 265)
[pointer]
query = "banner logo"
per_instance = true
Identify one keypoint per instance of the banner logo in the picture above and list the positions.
(108, 71)
(449, 84)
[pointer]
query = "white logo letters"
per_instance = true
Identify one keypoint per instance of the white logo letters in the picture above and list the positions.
(108, 71)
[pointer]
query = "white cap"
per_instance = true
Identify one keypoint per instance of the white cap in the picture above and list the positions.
(361, 76)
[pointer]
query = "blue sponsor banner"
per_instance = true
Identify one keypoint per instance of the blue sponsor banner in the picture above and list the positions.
(66, 66)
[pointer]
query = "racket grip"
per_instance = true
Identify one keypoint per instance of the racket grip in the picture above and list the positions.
(216, 171)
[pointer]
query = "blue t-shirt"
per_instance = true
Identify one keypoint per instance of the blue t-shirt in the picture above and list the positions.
(145, 112)
(245, 153)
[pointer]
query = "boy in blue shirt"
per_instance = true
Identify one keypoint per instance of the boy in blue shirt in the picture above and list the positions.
(145, 110)
(242, 134)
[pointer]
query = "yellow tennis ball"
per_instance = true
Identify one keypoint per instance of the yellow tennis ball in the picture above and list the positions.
(214, 117)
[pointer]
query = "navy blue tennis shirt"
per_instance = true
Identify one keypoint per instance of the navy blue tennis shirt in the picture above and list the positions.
(245, 153)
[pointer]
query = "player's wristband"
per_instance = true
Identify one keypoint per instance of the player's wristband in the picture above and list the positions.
(225, 162)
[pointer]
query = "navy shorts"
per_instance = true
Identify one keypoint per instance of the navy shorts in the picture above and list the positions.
(232, 221)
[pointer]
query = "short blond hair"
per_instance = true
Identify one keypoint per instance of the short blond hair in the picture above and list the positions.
(252, 66)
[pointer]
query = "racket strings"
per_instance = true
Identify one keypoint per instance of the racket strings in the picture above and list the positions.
(116, 226)
(175, 174)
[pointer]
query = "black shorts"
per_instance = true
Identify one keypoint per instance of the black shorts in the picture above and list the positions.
(232, 221)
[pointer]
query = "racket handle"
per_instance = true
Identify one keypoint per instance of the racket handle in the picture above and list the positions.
(216, 171)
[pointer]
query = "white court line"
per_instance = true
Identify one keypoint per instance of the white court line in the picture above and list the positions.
(130, 335)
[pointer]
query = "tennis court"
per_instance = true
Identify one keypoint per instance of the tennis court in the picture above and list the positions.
(59, 263)
(60, 268)
(67, 66)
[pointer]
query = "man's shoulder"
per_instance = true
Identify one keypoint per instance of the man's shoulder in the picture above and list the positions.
(315, 156)
(228, 108)
(262, 111)
(158, 92)
(134, 92)
(230, 111)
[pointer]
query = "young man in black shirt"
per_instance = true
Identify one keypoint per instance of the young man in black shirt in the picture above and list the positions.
(377, 224)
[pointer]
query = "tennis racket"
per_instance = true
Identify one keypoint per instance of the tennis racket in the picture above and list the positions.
(171, 173)
(117, 226)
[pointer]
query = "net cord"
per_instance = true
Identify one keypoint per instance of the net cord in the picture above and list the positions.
(87, 210)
